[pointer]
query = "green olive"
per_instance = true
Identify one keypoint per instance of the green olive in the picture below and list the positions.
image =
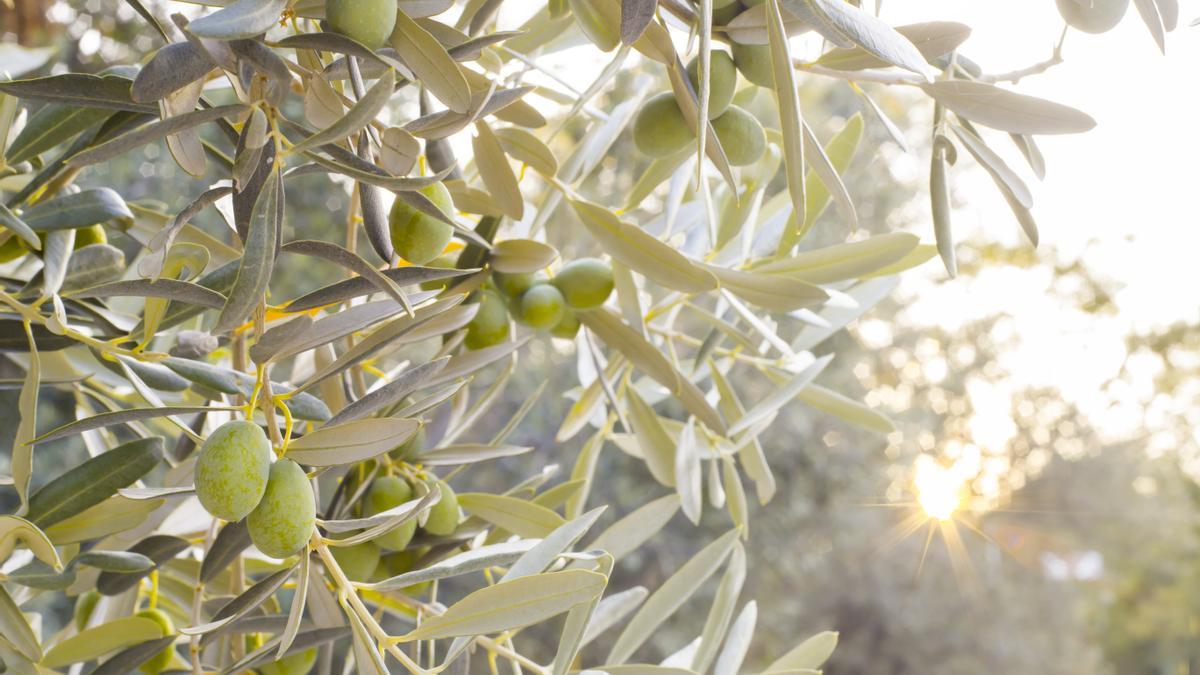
(567, 327)
(443, 516)
(231, 474)
(660, 129)
(490, 325)
(406, 561)
(723, 15)
(283, 521)
(741, 136)
(514, 284)
(367, 21)
(12, 248)
(418, 237)
(722, 81)
(300, 663)
(754, 62)
(446, 261)
(162, 659)
(86, 236)
(585, 283)
(542, 306)
(387, 493)
(411, 448)
(85, 604)
(358, 561)
(1093, 16)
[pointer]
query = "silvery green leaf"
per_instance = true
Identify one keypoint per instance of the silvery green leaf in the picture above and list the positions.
(1001, 109)
(241, 19)
(539, 557)
(52, 124)
(932, 39)
(720, 613)
(473, 560)
(780, 397)
(670, 596)
(638, 527)
(170, 69)
(156, 131)
(93, 481)
(357, 117)
(351, 442)
(808, 655)
(82, 209)
(737, 643)
(90, 91)
(512, 604)
(254, 271)
(428, 60)
(846, 25)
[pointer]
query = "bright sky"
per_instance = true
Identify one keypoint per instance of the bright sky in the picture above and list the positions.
(1121, 199)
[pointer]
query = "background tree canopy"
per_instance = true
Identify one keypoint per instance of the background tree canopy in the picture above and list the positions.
(422, 335)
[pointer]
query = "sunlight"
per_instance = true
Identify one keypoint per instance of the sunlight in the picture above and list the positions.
(937, 490)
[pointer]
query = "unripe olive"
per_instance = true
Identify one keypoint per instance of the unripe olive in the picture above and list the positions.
(723, 15)
(514, 284)
(542, 307)
(405, 561)
(585, 283)
(231, 473)
(282, 522)
(1092, 16)
(86, 236)
(410, 448)
(358, 561)
(12, 248)
(567, 327)
(445, 261)
(443, 516)
(741, 136)
(418, 236)
(300, 663)
(387, 493)
(754, 62)
(490, 324)
(85, 604)
(660, 129)
(367, 21)
(162, 659)
(722, 81)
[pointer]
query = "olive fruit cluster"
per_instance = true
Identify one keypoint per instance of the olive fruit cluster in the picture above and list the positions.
(539, 302)
(235, 479)
(366, 561)
(660, 129)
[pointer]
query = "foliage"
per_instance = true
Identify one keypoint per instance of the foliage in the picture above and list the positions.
(387, 372)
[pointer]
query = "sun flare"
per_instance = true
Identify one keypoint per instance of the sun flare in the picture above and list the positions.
(938, 490)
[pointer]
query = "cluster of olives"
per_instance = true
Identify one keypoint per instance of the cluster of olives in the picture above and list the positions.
(236, 479)
(539, 302)
(661, 130)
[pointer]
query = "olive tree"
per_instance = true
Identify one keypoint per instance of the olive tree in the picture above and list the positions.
(282, 480)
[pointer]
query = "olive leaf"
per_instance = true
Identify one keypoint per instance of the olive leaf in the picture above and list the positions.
(90, 91)
(164, 128)
(670, 596)
(254, 271)
(512, 604)
(82, 209)
(430, 62)
(351, 442)
(51, 125)
(241, 19)
(93, 481)
(1005, 110)
(100, 640)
